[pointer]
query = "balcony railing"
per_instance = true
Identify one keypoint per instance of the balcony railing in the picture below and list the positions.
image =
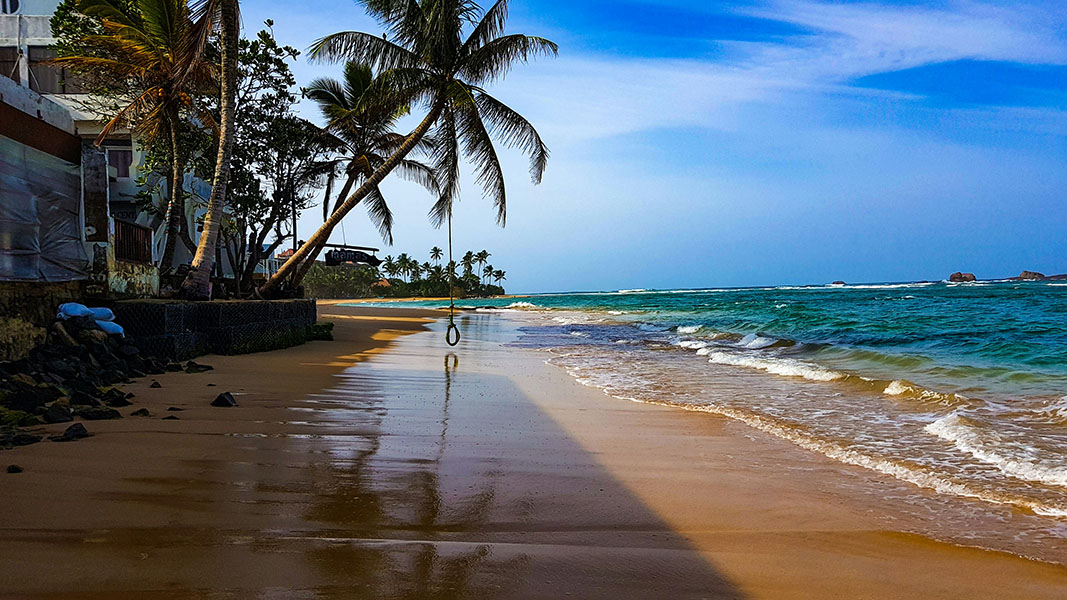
(133, 242)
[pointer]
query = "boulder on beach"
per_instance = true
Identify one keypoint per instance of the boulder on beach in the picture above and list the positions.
(959, 277)
(1031, 275)
(76, 431)
(224, 400)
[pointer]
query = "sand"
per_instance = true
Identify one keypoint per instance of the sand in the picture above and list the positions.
(385, 464)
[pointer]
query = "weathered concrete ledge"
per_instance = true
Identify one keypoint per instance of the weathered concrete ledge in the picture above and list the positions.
(179, 330)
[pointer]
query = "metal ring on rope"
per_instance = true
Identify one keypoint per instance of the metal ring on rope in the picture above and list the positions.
(448, 334)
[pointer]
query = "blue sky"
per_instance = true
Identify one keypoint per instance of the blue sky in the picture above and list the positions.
(702, 144)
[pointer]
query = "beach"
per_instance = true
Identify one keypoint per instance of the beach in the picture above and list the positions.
(386, 464)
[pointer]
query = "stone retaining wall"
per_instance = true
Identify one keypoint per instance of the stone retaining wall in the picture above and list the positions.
(176, 330)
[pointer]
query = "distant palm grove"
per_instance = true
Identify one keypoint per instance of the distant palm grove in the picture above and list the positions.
(404, 276)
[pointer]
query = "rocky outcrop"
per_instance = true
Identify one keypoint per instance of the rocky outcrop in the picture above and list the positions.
(1031, 276)
(959, 277)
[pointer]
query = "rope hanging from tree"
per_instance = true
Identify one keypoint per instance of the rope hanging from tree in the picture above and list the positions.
(452, 330)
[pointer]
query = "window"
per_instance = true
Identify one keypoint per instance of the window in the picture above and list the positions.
(9, 62)
(44, 79)
(9, 7)
(121, 159)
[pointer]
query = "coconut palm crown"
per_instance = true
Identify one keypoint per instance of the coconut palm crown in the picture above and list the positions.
(426, 52)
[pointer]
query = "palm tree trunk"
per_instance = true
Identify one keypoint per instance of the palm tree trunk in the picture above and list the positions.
(322, 234)
(176, 205)
(198, 283)
(306, 265)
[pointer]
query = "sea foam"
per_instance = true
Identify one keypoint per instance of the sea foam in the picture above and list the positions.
(1014, 459)
(778, 366)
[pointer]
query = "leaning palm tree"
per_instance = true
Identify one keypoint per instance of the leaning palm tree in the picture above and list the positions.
(487, 273)
(226, 15)
(146, 57)
(361, 111)
(436, 254)
(441, 53)
(499, 276)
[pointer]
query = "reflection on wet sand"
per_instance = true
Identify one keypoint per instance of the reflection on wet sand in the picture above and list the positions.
(418, 510)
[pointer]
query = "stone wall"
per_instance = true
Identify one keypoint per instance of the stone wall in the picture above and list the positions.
(177, 330)
(36, 302)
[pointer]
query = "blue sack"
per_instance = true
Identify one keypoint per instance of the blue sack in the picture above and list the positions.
(73, 309)
(111, 328)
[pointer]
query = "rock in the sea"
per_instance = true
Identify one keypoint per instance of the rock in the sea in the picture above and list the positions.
(1031, 275)
(76, 431)
(194, 367)
(97, 413)
(958, 277)
(58, 413)
(224, 400)
(155, 384)
(14, 469)
(141, 412)
(839, 282)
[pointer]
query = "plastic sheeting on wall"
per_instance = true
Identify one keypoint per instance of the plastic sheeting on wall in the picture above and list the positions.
(40, 216)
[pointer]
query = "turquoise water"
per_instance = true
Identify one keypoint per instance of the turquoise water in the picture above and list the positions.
(957, 389)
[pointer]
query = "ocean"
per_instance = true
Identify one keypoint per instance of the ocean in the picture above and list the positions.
(959, 390)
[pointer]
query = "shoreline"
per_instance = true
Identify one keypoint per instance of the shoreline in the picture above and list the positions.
(508, 476)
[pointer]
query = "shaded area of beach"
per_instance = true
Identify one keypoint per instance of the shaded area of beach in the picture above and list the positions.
(388, 465)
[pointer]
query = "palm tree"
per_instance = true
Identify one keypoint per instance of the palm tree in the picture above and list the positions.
(482, 257)
(436, 254)
(487, 272)
(146, 54)
(361, 111)
(225, 13)
(426, 54)
(499, 276)
(468, 262)
(403, 263)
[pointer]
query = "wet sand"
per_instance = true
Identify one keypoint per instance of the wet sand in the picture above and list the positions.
(385, 464)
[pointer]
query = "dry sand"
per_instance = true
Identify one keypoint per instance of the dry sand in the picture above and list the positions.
(387, 465)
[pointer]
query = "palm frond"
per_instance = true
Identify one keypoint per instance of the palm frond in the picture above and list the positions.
(479, 151)
(494, 59)
(380, 215)
(515, 131)
(361, 47)
(446, 165)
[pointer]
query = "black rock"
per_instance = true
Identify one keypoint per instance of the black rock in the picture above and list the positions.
(61, 367)
(76, 431)
(211, 385)
(14, 469)
(24, 439)
(155, 384)
(170, 418)
(116, 398)
(193, 367)
(174, 409)
(79, 398)
(224, 400)
(97, 413)
(57, 413)
(173, 367)
(118, 403)
(135, 373)
(81, 385)
(141, 412)
(129, 350)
